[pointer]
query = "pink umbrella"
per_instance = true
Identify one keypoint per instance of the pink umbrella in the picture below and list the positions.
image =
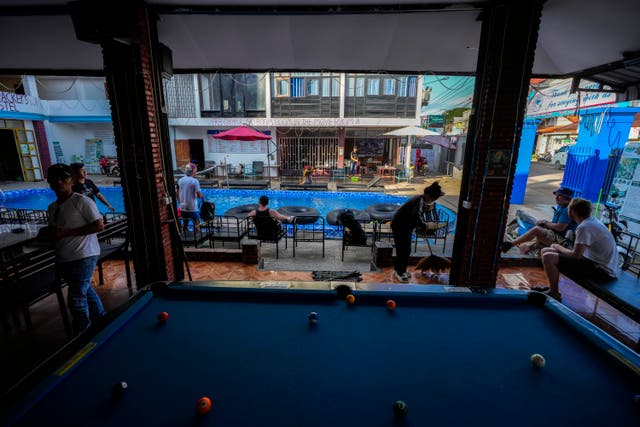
(241, 133)
(245, 133)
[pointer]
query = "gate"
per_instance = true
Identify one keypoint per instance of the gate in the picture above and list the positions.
(612, 167)
(319, 152)
(581, 162)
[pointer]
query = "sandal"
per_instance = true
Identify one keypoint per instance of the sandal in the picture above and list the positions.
(540, 288)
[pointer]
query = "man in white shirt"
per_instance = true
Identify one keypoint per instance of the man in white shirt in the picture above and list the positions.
(188, 194)
(74, 220)
(594, 252)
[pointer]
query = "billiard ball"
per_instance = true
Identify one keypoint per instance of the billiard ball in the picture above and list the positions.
(400, 409)
(538, 361)
(391, 305)
(119, 388)
(163, 317)
(351, 299)
(203, 405)
(313, 317)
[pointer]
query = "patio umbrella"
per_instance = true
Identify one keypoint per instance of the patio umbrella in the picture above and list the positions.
(245, 133)
(241, 133)
(411, 132)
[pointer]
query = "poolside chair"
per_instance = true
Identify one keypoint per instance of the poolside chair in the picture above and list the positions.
(436, 228)
(404, 174)
(267, 229)
(368, 227)
(258, 169)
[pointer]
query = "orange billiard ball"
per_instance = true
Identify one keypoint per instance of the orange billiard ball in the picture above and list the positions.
(351, 299)
(204, 405)
(391, 305)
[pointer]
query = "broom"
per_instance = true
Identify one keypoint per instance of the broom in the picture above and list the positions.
(433, 263)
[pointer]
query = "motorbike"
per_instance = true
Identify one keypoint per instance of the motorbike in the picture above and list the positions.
(109, 166)
(611, 219)
(545, 157)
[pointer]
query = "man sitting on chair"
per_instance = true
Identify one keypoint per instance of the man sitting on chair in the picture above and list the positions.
(265, 211)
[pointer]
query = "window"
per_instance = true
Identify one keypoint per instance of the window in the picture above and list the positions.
(331, 86)
(313, 87)
(297, 87)
(402, 86)
(282, 87)
(389, 87)
(412, 82)
(373, 87)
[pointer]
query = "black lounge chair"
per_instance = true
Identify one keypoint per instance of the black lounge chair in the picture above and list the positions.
(267, 229)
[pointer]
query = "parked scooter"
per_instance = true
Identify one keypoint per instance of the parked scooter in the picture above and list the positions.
(545, 157)
(109, 166)
(611, 219)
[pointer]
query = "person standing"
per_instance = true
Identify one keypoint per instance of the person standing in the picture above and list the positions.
(354, 161)
(74, 221)
(85, 186)
(594, 252)
(188, 195)
(405, 221)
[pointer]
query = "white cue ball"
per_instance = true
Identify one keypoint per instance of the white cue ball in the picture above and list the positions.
(538, 360)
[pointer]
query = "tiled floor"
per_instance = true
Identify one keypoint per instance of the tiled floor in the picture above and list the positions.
(22, 350)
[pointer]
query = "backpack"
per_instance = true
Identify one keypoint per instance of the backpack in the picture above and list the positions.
(207, 211)
(352, 227)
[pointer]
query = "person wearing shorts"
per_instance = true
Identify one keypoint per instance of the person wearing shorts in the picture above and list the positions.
(188, 194)
(545, 233)
(593, 255)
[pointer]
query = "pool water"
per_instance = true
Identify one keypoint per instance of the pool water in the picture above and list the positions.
(322, 201)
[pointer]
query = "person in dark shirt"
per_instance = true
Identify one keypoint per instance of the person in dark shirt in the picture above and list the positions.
(86, 187)
(405, 221)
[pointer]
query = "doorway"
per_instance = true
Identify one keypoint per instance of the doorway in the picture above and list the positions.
(10, 169)
(196, 152)
(189, 150)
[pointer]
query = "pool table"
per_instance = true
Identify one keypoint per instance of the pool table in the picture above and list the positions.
(455, 356)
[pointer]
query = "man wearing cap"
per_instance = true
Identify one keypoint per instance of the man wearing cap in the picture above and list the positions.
(74, 221)
(188, 194)
(546, 232)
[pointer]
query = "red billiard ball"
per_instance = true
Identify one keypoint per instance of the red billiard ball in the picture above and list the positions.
(391, 305)
(351, 299)
(163, 317)
(203, 405)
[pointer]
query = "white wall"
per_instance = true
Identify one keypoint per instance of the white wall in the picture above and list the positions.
(70, 88)
(200, 132)
(72, 137)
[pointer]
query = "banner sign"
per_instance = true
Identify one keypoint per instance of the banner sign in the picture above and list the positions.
(627, 185)
(557, 100)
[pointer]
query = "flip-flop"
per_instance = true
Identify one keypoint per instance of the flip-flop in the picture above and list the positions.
(540, 288)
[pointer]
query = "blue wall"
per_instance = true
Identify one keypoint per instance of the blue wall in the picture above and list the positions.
(527, 140)
(600, 131)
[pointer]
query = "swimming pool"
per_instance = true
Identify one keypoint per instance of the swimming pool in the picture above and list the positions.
(323, 201)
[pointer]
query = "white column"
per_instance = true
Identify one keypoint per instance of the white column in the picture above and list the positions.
(196, 96)
(343, 92)
(267, 95)
(419, 98)
(30, 86)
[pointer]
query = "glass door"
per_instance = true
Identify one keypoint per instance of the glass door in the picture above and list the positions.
(28, 150)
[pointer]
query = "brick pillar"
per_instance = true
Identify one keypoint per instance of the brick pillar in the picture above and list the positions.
(507, 44)
(128, 35)
(43, 145)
